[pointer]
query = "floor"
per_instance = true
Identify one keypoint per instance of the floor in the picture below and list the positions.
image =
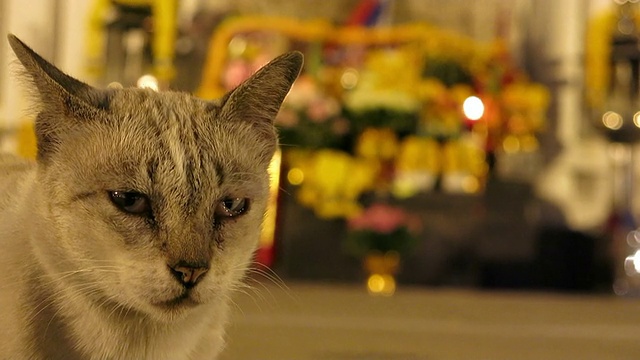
(343, 322)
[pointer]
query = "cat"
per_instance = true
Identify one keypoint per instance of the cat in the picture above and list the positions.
(128, 234)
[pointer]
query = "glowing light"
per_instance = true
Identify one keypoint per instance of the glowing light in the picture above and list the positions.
(114, 85)
(632, 263)
(612, 120)
(237, 46)
(636, 261)
(473, 108)
(378, 284)
(148, 82)
(295, 176)
(349, 78)
(633, 238)
(636, 119)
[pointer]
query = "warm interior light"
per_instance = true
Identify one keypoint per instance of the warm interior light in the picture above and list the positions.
(632, 264)
(381, 284)
(349, 78)
(612, 120)
(473, 108)
(148, 82)
(636, 119)
(295, 176)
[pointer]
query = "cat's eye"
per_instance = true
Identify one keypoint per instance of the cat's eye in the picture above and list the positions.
(131, 202)
(232, 207)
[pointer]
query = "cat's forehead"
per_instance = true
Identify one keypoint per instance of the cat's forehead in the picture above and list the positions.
(171, 139)
(163, 117)
(141, 102)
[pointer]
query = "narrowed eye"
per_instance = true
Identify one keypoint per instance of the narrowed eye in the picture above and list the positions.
(232, 207)
(131, 202)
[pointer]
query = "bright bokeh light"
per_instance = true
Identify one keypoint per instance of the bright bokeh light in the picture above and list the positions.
(115, 85)
(148, 82)
(632, 263)
(237, 46)
(612, 120)
(349, 78)
(636, 261)
(633, 238)
(378, 284)
(636, 119)
(473, 108)
(295, 176)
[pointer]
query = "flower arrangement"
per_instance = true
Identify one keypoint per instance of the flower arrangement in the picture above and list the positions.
(332, 181)
(386, 93)
(381, 228)
(390, 101)
(311, 118)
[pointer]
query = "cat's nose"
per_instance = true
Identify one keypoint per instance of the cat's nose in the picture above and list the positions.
(188, 274)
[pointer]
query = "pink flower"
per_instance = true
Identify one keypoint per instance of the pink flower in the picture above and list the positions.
(237, 72)
(260, 61)
(303, 92)
(318, 111)
(380, 218)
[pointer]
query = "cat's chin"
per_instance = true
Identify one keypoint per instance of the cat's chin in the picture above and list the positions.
(174, 309)
(181, 302)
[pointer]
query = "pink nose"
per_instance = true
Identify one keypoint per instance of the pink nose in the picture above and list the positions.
(187, 274)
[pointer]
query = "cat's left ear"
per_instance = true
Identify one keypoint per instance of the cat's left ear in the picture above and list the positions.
(53, 85)
(258, 98)
(65, 100)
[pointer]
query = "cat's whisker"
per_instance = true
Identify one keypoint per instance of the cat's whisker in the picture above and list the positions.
(59, 309)
(274, 278)
(232, 301)
(252, 293)
(48, 300)
(268, 272)
(60, 276)
(285, 191)
(116, 305)
(260, 289)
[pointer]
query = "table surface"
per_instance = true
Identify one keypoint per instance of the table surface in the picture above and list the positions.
(321, 321)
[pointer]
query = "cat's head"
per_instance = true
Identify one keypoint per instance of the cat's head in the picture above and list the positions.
(153, 201)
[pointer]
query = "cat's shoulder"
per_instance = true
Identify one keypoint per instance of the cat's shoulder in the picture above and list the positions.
(14, 163)
(12, 166)
(14, 171)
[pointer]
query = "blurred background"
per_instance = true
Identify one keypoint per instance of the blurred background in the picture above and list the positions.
(485, 145)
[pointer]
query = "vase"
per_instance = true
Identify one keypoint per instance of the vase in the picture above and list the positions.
(381, 270)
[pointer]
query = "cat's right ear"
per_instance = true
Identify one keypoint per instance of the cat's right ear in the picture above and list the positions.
(65, 100)
(258, 99)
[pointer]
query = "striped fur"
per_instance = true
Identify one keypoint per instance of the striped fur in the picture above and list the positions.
(83, 279)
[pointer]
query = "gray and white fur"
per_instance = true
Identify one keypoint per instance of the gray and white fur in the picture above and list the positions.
(127, 236)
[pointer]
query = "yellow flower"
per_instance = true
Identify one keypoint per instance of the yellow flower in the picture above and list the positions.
(334, 181)
(418, 154)
(377, 144)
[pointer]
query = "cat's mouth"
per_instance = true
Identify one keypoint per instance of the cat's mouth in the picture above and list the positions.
(185, 300)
